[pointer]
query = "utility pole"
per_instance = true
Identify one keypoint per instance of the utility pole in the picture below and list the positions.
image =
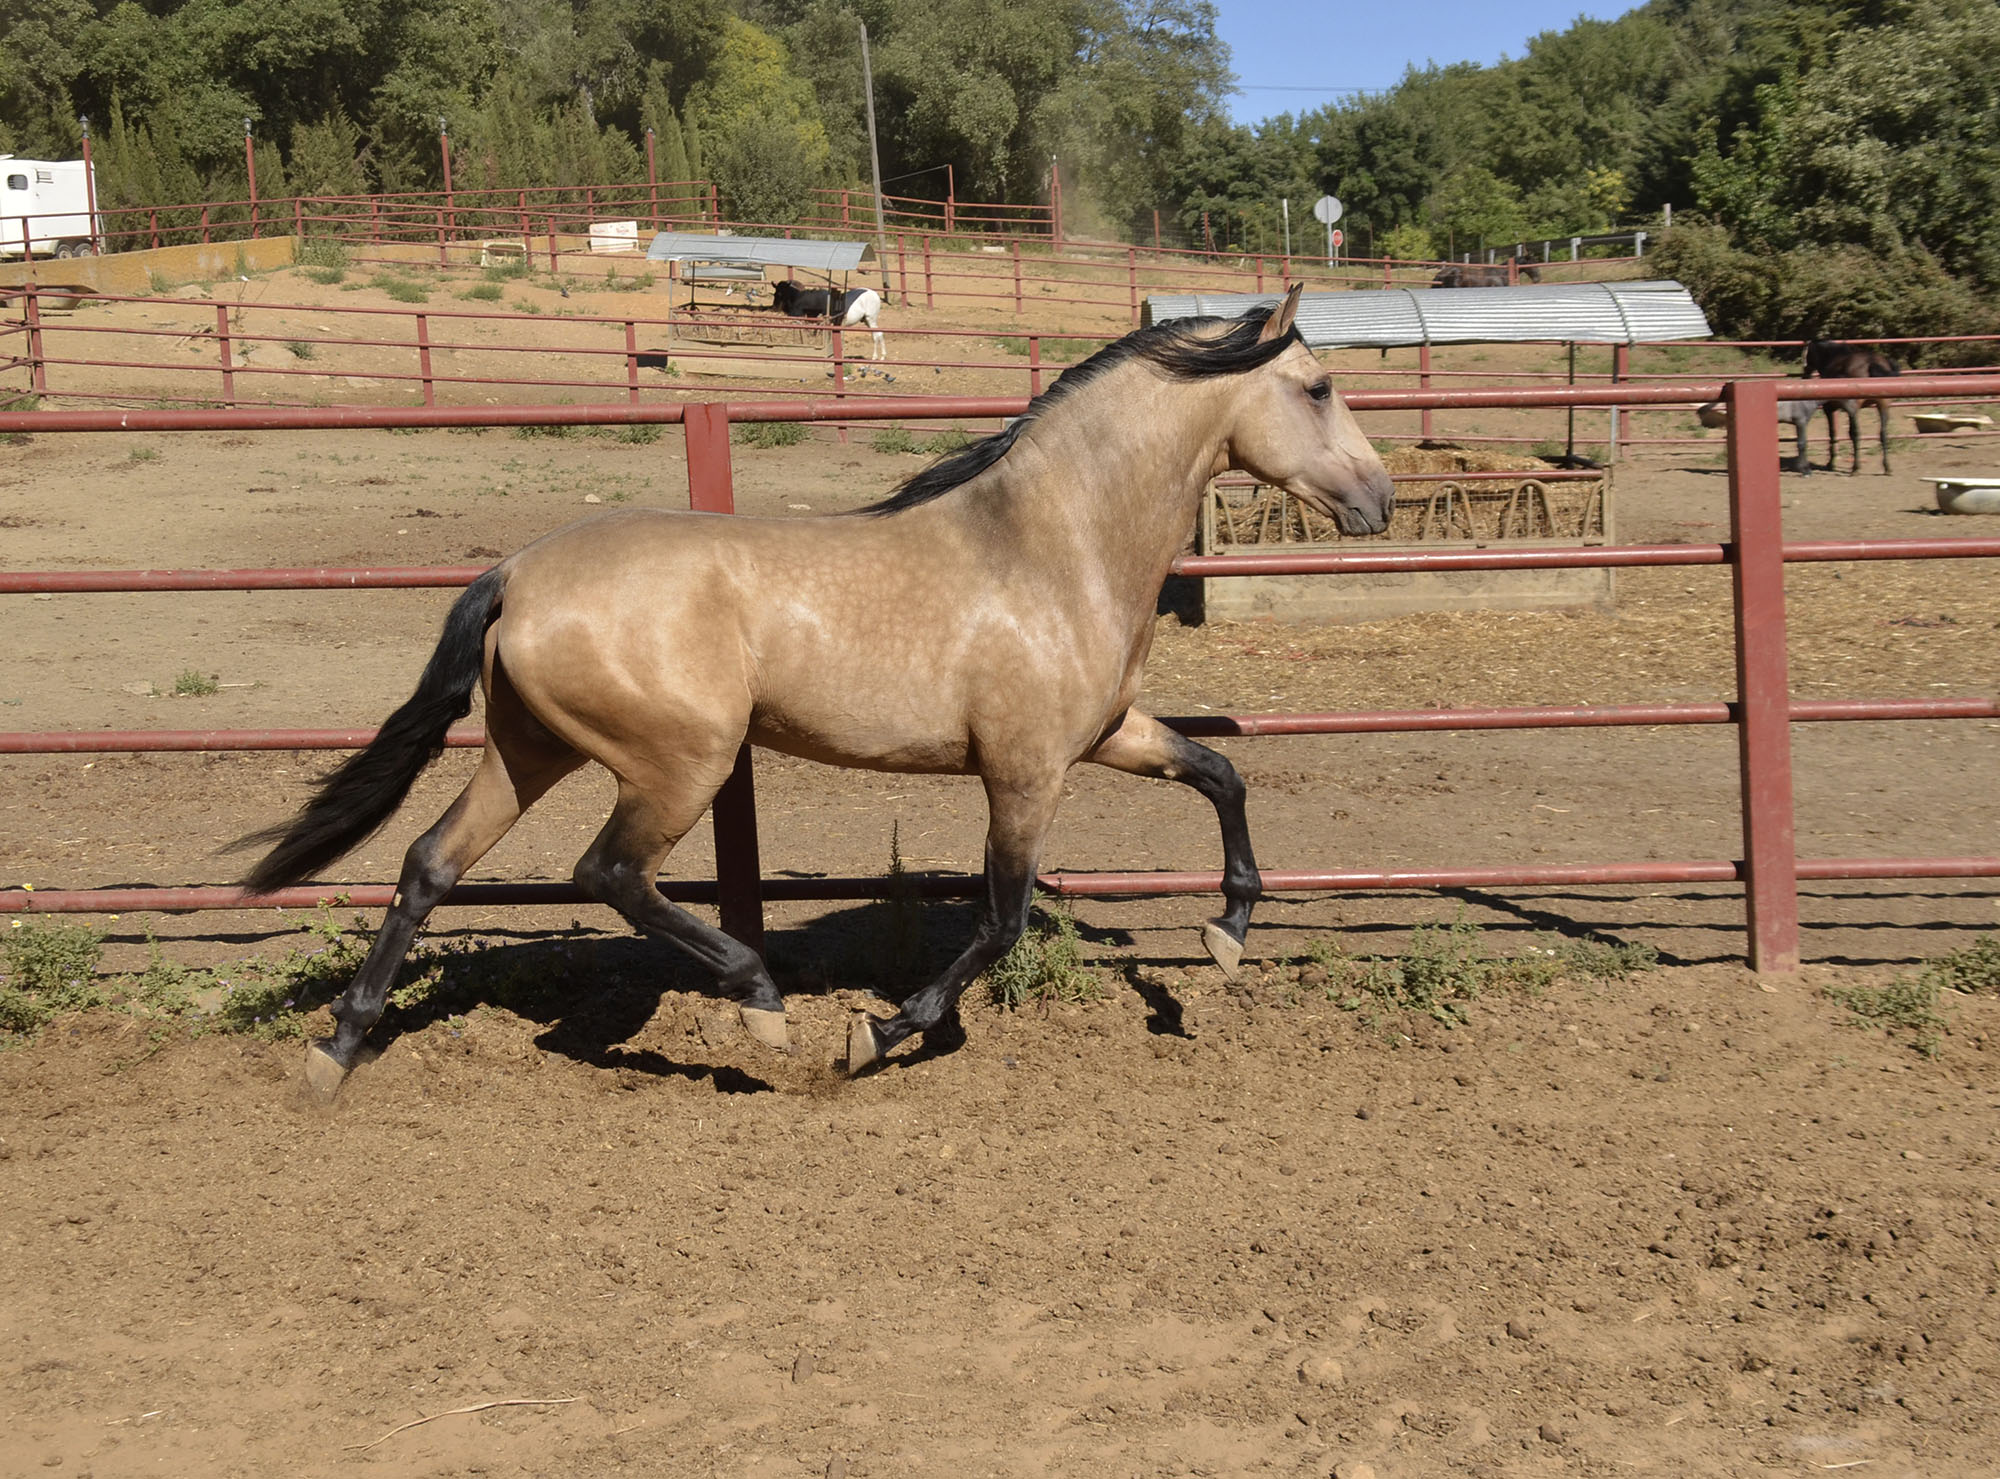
(875, 159)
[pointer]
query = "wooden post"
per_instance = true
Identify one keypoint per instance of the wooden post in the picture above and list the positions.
(652, 182)
(1132, 280)
(929, 301)
(1034, 365)
(1763, 679)
(902, 268)
(250, 167)
(424, 358)
(1017, 277)
(552, 246)
(1260, 274)
(738, 873)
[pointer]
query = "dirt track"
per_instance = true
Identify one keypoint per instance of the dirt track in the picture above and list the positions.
(1677, 1224)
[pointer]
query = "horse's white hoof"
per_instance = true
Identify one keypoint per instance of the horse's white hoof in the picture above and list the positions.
(767, 1027)
(324, 1075)
(864, 1048)
(1223, 948)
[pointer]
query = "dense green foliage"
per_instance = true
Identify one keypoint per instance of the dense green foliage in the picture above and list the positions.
(1841, 157)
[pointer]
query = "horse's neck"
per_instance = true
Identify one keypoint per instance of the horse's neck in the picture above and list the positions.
(1117, 485)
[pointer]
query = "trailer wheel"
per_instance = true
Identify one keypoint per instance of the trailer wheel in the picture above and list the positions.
(74, 249)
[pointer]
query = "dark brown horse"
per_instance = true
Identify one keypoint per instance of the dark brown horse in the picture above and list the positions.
(992, 617)
(1485, 274)
(1835, 361)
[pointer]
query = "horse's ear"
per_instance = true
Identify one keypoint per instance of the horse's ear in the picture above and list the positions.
(1279, 323)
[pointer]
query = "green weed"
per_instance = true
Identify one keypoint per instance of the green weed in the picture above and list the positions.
(143, 454)
(401, 289)
(483, 292)
(49, 968)
(1045, 966)
(326, 277)
(510, 272)
(891, 440)
(300, 349)
(1974, 969)
(521, 305)
(640, 436)
(943, 442)
(325, 252)
(1904, 1005)
(193, 683)
(769, 434)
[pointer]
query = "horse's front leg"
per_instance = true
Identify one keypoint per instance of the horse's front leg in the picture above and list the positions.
(1019, 815)
(1142, 745)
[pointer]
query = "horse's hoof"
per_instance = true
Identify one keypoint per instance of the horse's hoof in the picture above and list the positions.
(864, 1048)
(324, 1075)
(767, 1026)
(1223, 948)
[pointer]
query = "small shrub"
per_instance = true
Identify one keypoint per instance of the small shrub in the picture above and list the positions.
(891, 440)
(325, 252)
(943, 442)
(1045, 966)
(193, 683)
(1903, 1005)
(54, 965)
(509, 272)
(401, 289)
(300, 349)
(521, 305)
(483, 292)
(1974, 969)
(770, 434)
(326, 277)
(163, 989)
(613, 283)
(143, 454)
(558, 432)
(641, 436)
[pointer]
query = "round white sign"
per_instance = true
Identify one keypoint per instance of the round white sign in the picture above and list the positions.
(1326, 210)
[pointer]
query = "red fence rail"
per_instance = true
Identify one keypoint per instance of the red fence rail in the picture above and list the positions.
(1762, 712)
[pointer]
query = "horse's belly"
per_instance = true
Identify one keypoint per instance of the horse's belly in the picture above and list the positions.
(862, 745)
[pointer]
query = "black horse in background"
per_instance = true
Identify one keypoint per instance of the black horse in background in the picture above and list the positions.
(1483, 274)
(1835, 361)
(848, 307)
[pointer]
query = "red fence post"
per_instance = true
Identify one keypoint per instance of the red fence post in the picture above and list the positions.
(738, 870)
(38, 371)
(228, 367)
(1034, 364)
(1132, 280)
(632, 361)
(424, 358)
(1017, 274)
(1424, 383)
(1763, 678)
(929, 301)
(552, 247)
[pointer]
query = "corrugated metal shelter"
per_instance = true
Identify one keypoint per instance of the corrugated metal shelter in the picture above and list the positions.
(760, 251)
(1572, 313)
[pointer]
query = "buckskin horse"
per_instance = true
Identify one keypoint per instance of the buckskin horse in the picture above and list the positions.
(853, 306)
(1835, 361)
(992, 616)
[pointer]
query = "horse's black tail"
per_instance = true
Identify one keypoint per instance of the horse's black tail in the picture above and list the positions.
(364, 791)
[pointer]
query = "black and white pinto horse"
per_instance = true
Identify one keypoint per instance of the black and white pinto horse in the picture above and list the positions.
(847, 308)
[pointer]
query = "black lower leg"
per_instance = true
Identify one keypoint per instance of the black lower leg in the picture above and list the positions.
(738, 970)
(1009, 892)
(1214, 777)
(425, 881)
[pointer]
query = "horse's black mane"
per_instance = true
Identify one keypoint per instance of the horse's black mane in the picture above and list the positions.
(1178, 348)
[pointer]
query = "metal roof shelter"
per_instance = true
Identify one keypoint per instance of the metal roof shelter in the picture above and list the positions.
(1573, 313)
(760, 251)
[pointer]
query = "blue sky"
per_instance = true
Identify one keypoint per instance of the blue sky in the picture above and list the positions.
(1291, 57)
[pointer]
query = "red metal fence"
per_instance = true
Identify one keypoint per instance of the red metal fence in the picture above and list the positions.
(1762, 712)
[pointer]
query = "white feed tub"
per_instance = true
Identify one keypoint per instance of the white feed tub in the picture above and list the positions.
(1974, 495)
(1935, 421)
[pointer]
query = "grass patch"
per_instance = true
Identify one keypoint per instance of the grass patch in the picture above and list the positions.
(891, 440)
(1448, 966)
(401, 289)
(143, 454)
(510, 272)
(195, 684)
(613, 283)
(327, 253)
(300, 349)
(769, 434)
(1913, 1007)
(483, 292)
(521, 305)
(943, 442)
(643, 435)
(326, 277)
(1045, 966)
(48, 968)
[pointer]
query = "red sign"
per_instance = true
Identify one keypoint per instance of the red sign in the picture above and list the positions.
(1340, 238)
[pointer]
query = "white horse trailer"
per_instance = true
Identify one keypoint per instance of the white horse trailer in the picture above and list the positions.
(45, 207)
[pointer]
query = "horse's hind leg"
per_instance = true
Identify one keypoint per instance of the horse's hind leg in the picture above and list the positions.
(1019, 814)
(1882, 432)
(620, 867)
(521, 762)
(1142, 745)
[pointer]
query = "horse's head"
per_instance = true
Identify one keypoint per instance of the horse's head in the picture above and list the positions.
(784, 294)
(1447, 277)
(1293, 431)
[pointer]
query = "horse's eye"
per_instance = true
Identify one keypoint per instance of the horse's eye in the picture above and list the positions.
(1320, 390)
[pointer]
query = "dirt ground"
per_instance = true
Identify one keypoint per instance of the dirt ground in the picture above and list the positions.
(1691, 1222)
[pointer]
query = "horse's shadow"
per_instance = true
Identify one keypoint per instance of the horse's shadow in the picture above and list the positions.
(593, 993)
